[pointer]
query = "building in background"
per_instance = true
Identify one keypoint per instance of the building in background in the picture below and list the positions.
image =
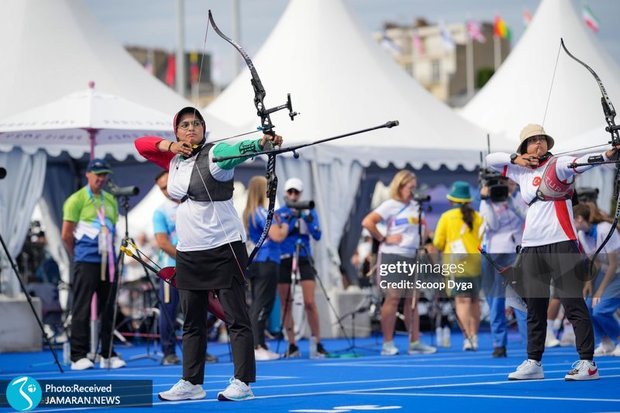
(450, 61)
(199, 88)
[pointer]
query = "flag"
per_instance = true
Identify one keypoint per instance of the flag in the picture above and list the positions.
(388, 44)
(473, 29)
(149, 65)
(500, 29)
(527, 17)
(590, 19)
(418, 46)
(446, 37)
(194, 70)
(171, 70)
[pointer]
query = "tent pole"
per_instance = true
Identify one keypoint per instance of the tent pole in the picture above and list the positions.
(92, 136)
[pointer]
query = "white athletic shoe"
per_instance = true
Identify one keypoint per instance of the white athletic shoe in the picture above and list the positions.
(236, 391)
(389, 349)
(113, 362)
(183, 390)
(616, 351)
(606, 348)
(262, 354)
(568, 338)
(82, 364)
(528, 370)
(470, 344)
(582, 370)
(551, 340)
(417, 347)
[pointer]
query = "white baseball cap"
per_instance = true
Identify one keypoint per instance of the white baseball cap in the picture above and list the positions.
(294, 183)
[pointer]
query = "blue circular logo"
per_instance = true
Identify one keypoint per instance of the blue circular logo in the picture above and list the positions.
(24, 393)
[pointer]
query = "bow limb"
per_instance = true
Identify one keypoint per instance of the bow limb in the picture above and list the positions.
(266, 126)
(257, 85)
(610, 114)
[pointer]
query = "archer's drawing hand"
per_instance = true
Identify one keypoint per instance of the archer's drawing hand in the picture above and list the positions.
(275, 140)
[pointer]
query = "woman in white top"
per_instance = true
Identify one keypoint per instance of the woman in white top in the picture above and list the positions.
(399, 246)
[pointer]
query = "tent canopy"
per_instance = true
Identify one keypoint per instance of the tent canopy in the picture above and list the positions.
(340, 80)
(61, 48)
(79, 121)
(529, 88)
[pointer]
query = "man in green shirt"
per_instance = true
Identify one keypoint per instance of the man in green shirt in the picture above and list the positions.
(88, 229)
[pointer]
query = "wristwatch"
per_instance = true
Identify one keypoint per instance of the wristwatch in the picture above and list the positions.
(513, 157)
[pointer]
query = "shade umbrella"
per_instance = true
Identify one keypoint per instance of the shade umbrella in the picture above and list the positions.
(82, 121)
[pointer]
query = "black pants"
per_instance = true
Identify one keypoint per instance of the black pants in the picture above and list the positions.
(167, 317)
(562, 263)
(264, 281)
(87, 281)
(194, 304)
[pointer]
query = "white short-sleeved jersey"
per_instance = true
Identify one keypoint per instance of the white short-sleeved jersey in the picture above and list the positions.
(546, 222)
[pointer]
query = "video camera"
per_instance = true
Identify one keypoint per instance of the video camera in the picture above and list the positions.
(587, 194)
(420, 197)
(300, 205)
(498, 188)
(118, 191)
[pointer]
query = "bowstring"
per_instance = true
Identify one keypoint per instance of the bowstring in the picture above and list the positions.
(555, 68)
(217, 216)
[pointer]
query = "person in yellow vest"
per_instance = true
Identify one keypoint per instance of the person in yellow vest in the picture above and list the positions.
(458, 237)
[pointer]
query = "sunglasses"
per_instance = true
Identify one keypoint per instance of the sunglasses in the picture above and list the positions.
(293, 191)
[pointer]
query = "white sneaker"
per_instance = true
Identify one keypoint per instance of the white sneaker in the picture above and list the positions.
(236, 391)
(616, 351)
(568, 338)
(582, 370)
(528, 370)
(417, 347)
(470, 344)
(113, 362)
(606, 348)
(262, 354)
(82, 364)
(551, 340)
(389, 349)
(183, 390)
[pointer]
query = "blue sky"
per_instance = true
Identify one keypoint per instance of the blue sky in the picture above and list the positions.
(152, 23)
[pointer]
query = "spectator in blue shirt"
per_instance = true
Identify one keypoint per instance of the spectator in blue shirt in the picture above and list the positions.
(263, 272)
(303, 223)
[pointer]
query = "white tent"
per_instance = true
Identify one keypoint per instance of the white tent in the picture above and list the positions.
(82, 122)
(524, 88)
(50, 49)
(53, 48)
(341, 80)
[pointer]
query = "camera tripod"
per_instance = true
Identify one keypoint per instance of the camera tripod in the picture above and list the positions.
(29, 299)
(299, 246)
(125, 243)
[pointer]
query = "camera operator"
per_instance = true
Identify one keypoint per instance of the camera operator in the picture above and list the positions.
(503, 211)
(303, 223)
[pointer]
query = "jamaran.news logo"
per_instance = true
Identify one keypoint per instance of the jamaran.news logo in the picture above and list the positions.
(24, 393)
